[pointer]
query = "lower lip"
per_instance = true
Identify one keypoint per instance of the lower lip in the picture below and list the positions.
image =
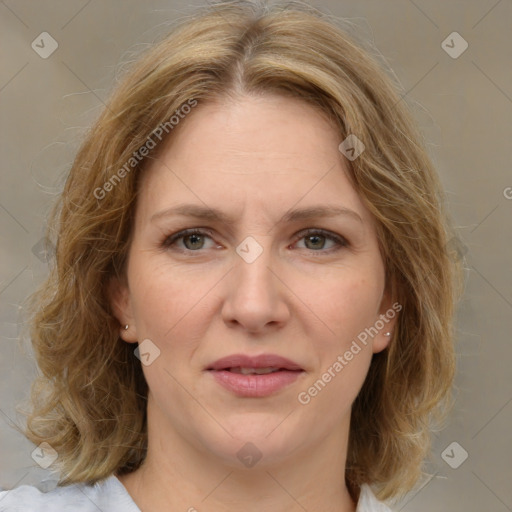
(255, 385)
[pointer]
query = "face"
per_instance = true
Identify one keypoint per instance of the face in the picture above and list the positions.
(288, 267)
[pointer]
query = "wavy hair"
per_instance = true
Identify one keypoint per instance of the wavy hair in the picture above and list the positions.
(89, 401)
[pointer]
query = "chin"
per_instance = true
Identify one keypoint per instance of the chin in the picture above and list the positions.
(253, 439)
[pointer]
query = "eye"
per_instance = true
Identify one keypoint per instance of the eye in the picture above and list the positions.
(315, 240)
(193, 239)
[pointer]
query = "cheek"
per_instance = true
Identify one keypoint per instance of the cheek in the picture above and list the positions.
(155, 300)
(347, 308)
(345, 304)
(168, 302)
(333, 391)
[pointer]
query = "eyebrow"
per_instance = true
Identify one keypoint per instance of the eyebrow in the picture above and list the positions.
(213, 214)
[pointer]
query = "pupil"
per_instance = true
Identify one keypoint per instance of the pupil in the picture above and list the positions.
(194, 238)
(315, 237)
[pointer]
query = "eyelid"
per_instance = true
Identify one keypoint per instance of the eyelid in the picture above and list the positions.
(171, 239)
(340, 240)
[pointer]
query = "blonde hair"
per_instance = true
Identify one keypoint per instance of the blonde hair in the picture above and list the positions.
(89, 403)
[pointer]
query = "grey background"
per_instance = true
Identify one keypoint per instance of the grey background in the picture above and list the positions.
(463, 105)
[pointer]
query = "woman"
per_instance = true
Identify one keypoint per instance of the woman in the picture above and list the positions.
(252, 298)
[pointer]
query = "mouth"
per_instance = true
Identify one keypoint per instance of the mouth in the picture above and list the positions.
(256, 371)
(255, 376)
(263, 363)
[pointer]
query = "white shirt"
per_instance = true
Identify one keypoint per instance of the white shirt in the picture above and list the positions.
(109, 495)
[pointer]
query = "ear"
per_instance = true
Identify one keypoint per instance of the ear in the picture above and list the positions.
(385, 322)
(119, 297)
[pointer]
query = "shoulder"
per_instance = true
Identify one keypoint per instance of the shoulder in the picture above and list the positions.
(108, 494)
(369, 503)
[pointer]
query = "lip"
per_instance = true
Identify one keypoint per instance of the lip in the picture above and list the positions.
(260, 361)
(255, 385)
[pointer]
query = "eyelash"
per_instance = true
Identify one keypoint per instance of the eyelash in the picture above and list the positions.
(341, 242)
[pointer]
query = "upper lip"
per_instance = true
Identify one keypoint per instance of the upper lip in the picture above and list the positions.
(260, 361)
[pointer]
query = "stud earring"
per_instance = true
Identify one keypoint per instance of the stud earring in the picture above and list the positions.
(387, 334)
(126, 327)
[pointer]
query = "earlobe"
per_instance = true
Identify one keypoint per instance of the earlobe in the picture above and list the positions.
(382, 341)
(385, 323)
(128, 334)
(120, 303)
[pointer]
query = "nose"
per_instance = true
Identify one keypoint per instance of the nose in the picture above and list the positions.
(256, 296)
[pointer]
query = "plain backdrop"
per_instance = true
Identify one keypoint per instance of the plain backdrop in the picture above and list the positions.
(463, 104)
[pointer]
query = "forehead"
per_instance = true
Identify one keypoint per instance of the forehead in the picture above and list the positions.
(268, 152)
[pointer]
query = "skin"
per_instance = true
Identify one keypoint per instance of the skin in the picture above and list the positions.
(255, 159)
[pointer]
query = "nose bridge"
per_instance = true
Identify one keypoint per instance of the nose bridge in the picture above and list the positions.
(253, 268)
(254, 297)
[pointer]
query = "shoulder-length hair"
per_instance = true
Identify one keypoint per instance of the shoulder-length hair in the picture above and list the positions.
(89, 403)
